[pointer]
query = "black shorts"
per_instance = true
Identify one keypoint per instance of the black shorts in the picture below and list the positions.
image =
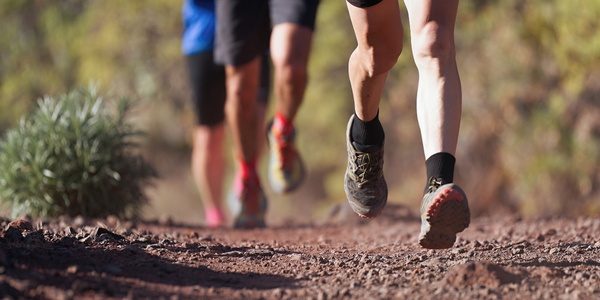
(363, 3)
(244, 26)
(208, 87)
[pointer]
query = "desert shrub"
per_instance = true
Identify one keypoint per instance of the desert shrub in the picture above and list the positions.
(74, 155)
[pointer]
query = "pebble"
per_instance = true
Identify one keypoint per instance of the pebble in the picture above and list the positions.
(278, 292)
(70, 231)
(554, 250)
(518, 251)
(21, 225)
(72, 269)
(78, 221)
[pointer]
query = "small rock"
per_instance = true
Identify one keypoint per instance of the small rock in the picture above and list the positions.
(143, 239)
(105, 237)
(72, 269)
(112, 220)
(554, 250)
(458, 251)
(364, 259)
(321, 295)
(518, 251)
(550, 232)
(278, 293)
(70, 231)
(190, 245)
(78, 221)
(99, 231)
(21, 225)
(431, 262)
(260, 252)
(165, 242)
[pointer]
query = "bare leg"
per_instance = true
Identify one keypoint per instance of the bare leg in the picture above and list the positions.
(290, 46)
(208, 166)
(378, 31)
(439, 92)
(240, 107)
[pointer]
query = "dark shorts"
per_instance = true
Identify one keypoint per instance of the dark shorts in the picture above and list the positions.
(363, 3)
(244, 26)
(207, 80)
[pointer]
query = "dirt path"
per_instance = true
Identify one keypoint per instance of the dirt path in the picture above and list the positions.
(502, 258)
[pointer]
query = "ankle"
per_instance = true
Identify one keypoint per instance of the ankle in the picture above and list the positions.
(368, 133)
(440, 166)
(282, 125)
(214, 216)
(247, 168)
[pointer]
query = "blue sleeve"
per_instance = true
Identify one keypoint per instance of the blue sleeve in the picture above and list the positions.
(198, 26)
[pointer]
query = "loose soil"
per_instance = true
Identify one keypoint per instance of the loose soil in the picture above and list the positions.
(343, 258)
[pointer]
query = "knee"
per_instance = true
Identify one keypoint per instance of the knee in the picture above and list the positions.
(240, 95)
(290, 69)
(379, 59)
(433, 45)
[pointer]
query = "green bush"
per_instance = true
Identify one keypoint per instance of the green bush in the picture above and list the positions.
(74, 155)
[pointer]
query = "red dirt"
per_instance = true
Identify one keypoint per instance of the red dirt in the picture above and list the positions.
(346, 258)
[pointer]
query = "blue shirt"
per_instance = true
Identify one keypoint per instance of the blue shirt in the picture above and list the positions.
(198, 26)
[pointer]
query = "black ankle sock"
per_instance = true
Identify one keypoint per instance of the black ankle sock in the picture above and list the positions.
(367, 134)
(441, 166)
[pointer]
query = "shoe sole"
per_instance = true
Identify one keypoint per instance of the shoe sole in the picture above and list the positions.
(447, 215)
(280, 189)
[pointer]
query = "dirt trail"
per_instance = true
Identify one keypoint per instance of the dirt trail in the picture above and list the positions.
(348, 258)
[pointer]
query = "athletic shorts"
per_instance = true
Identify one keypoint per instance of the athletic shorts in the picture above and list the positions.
(363, 3)
(244, 26)
(208, 87)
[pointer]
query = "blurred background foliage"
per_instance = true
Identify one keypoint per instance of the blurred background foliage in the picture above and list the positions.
(530, 71)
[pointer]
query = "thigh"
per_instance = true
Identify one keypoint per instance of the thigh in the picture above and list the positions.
(300, 12)
(243, 30)
(207, 80)
(442, 13)
(377, 26)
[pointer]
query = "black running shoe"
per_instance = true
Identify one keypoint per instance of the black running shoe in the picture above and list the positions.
(364, 182)
(444, 213)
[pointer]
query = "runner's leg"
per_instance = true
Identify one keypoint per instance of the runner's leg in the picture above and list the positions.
(378, 31)
(439, 91)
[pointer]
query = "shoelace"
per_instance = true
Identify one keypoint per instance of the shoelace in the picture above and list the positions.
(434, 184)
(367, 167)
